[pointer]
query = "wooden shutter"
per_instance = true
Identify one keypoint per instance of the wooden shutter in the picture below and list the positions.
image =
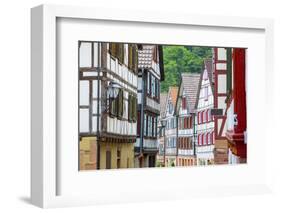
(129, 108)
(229, 70)
(183, 103)
(120, 53)
(113, 49)
(112, 106)
(135, 59)
(134, 109)
(130, 56)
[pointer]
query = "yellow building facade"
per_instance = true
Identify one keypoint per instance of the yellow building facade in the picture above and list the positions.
(112, 155)
(115, 155)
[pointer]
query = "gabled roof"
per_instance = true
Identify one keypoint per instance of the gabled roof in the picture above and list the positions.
(189, 85)
(173, 94)
(207, 65)
(145, 57)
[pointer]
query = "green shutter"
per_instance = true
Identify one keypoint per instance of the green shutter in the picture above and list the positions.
(130, 56)
(121, 48)
(229, 70)
(135, 59)
(134, 109)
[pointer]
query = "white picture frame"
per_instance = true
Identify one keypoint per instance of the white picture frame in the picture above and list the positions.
(46, 177)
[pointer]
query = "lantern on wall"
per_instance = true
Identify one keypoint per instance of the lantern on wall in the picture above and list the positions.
(113, 89)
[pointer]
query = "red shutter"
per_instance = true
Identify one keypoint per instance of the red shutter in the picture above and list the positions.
(207, 115)
(198, 117)
(183, 103)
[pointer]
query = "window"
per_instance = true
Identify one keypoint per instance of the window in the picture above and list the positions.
(150, 125)
(157, 88)
(145, 125)
(184, 103)
(203, 142)
(148, 83)
(132, 108)
(152, 86)
(209, 138)
(113, 104)
(185, 123)
(85, 53)
(155, 126)
(207, 115)
(133, 57)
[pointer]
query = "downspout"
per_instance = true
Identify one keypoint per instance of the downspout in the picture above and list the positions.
(194, 137)
(142, 113)
(177, 137)
(98, 108)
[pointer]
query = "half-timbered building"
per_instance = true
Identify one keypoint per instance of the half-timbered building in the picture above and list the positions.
(150, 73)
(161, 128)
(185, 113)
(222, 65)
(170, 140)
(204, 119)
(236, 133)
(107, 104)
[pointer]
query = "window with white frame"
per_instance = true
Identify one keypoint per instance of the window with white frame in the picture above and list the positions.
(144, 125)
(152, 86)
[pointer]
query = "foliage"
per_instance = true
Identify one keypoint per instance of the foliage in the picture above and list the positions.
(178, 59)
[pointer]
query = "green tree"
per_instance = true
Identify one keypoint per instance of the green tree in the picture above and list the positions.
(178, 59)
